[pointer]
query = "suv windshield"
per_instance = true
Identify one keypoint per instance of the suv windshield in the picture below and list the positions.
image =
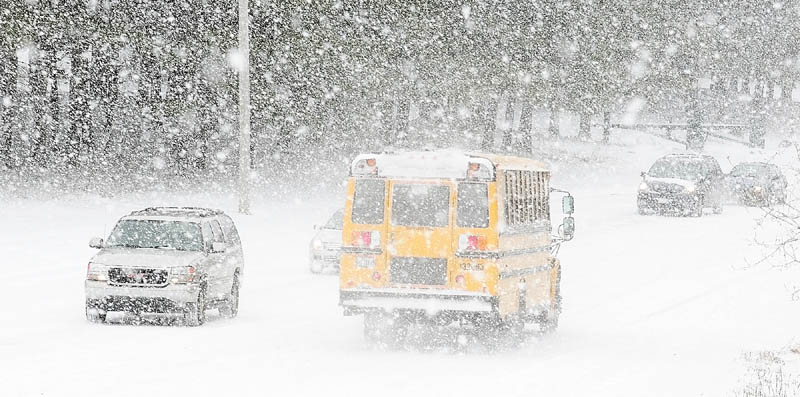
(750, 170)
(336, 221)
(691, 170)
(421, 205)
(182, 236)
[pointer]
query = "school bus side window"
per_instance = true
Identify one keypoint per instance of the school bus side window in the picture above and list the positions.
(473, 205)
(368, 202)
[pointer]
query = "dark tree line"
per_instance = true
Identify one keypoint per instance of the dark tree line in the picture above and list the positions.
(146, 86)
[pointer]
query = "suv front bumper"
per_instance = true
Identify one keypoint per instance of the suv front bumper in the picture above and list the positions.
(104, 296)
(667, 202)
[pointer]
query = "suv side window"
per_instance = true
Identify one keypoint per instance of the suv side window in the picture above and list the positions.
(219, 237)
(231, 234)
(714, 170)
(208, 236)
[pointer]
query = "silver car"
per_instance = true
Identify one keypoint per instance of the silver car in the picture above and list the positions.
(325, 249)
(177, 261)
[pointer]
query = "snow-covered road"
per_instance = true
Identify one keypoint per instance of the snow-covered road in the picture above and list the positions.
(652, 306)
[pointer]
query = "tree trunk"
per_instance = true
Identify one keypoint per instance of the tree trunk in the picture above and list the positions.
(388, 112)
(38, 83)
(58, 148)
(8, 83)
(525, 120)
(508, 124)
(403, 109)
(552, 125)
(606, 127)
(488, 121)
(585, 126)
(78, 104)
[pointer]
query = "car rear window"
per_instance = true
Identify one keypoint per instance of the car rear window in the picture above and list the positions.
(687, 169)
(749, 170)
(368, 202)
(421, 205)
(473, 205)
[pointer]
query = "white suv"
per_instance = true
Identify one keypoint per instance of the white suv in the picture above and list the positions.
(167, 260)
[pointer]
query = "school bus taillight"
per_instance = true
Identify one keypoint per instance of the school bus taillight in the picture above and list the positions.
(368, 239)
(364, 167)
(479, 171)
(469, 242)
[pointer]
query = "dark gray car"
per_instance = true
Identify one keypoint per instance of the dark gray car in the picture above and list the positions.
(758, 184)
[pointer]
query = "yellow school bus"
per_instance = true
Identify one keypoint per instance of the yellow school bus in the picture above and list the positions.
(450, 237)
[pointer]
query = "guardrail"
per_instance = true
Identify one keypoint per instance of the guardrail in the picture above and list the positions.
(703, 129)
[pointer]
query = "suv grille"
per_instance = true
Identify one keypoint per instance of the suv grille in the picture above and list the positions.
(662, 187)
(138, 277)
(410, 270)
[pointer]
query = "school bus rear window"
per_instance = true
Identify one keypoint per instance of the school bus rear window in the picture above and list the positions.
(421, 205)
(473, 205)
(368, 202)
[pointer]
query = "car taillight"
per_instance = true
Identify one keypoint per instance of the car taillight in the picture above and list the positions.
(376, 276)
(96, 272)
(371, 239)
(460, 280)
(469, 242)
(181, 275)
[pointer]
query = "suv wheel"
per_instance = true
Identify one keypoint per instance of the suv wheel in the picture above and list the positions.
(95, 315)
(195, 313)
(698, 207)
(718, 207)
(230, 308)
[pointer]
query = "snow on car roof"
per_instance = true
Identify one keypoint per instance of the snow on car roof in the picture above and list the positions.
(171, 213)
(689, 156)
(445, 163)
(191, 219)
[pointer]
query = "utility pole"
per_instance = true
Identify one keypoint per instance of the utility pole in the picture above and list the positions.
(244, 108)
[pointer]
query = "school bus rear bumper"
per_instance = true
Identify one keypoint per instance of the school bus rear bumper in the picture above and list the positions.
(430, 302)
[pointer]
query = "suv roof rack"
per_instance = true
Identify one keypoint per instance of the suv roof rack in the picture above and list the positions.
(173, 211)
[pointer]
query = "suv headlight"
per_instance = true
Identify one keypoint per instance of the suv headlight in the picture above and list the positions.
(96, 272)
(181, 275)
(316, 244)
(691, 188)
(643, 187)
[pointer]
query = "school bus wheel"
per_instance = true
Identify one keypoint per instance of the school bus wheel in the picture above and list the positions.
(385, 329)
(548, 321)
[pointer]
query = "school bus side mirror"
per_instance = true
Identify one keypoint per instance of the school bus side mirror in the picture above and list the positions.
(567, 228)
(568, 205)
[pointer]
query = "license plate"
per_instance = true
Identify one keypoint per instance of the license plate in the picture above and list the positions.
(662, 200)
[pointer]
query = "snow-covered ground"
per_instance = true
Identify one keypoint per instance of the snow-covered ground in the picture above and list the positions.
(652, 305)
